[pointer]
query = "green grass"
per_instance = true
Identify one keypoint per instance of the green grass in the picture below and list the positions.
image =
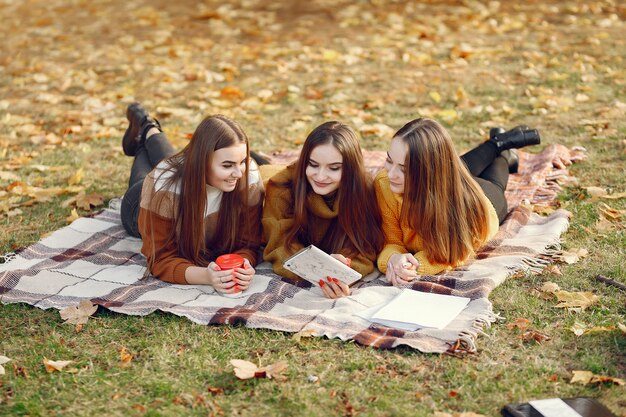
(179, 368)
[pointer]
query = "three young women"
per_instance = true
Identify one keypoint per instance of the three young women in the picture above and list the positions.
(439, 208)
(191, 206)
(326, 198)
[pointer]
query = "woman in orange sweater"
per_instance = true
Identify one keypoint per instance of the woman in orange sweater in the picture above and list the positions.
(192, 206)
(439, 208)
(326, 198)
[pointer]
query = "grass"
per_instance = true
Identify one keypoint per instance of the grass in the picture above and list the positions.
(351, 62)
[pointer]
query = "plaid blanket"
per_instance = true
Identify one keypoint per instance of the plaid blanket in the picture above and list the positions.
(93, 258)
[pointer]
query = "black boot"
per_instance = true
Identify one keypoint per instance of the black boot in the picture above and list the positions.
(512, 159)
(518, 137)
(136, 115)
(510, 155)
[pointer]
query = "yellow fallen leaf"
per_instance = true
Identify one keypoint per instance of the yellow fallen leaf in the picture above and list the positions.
(3, 360)
(610, 213)
(621, 327)
(435, 96)
(73, 216)
(575, 301)
(583, 377)
(76, 178)
(52, 366)
(246, 370)
(78, 314)
(588, 377)
(448, 115)
(303, 333)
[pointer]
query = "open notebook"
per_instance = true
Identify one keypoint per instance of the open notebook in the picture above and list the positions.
(411, 310)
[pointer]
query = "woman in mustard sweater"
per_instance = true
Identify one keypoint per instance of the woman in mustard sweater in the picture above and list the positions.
(439, 208)
(326, 198)
(192, 206)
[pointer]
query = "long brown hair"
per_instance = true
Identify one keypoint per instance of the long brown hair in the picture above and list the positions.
(357, 227)
(441, 200)
(190, 168)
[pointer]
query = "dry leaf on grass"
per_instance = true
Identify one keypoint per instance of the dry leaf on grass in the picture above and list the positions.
(596, 192)
(572, 256)
(550, 287)
(246, 370)
(534, 335)
(73, 216)
(76, 178)
(610, 213)
(3, 360)
(52, 366)
(575, 301)
(580, 329)
(125, 357)
(78, 314)
(303, 333)
(519, 323)
(588, 377)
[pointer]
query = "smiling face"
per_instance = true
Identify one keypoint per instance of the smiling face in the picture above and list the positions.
(396, 157)
(323, 171)
(227, 166)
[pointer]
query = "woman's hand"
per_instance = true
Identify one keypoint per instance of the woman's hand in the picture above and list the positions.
(341, 258)
(334, 288)
(243, 276)
(401, 268)
(222, 281)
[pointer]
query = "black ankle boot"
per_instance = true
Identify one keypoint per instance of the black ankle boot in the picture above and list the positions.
(148, 124)
(512, 159)
(136, 115)
(516, 138)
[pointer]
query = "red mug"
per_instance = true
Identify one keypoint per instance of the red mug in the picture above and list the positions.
(230, 261)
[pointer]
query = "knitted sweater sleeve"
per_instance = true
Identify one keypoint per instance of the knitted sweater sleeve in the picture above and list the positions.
(155, 230)
(390, 213)
(276, 223)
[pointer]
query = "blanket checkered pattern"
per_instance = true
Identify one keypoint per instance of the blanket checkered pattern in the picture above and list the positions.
(93, 258)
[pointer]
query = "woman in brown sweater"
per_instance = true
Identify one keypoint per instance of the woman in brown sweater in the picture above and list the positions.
(192, 206)
(325, 198)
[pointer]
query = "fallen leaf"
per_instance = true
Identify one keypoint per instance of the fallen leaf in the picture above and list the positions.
(595, 192)
(76, 178)
(52, 366)
(621, 327)
(519, 323)
(435, 96)
(534, 335)
(232, 93)
(3, 360)
(246, 370)
(550, 287)
(610, 213)
(125, 357)
(615, 196)
(588, 377)
(572, 256)
(303, 333)
(78, 314)
(73, 216)
(575, 301)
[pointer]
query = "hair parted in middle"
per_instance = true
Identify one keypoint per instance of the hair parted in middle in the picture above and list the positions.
(190, 168)
(358, 224)
(441, 200)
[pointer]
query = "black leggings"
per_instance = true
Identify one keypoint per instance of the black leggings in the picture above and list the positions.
(491, 172)
(148, 155)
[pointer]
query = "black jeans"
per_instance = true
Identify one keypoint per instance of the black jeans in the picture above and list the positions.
(491, 172)
(148, 155)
